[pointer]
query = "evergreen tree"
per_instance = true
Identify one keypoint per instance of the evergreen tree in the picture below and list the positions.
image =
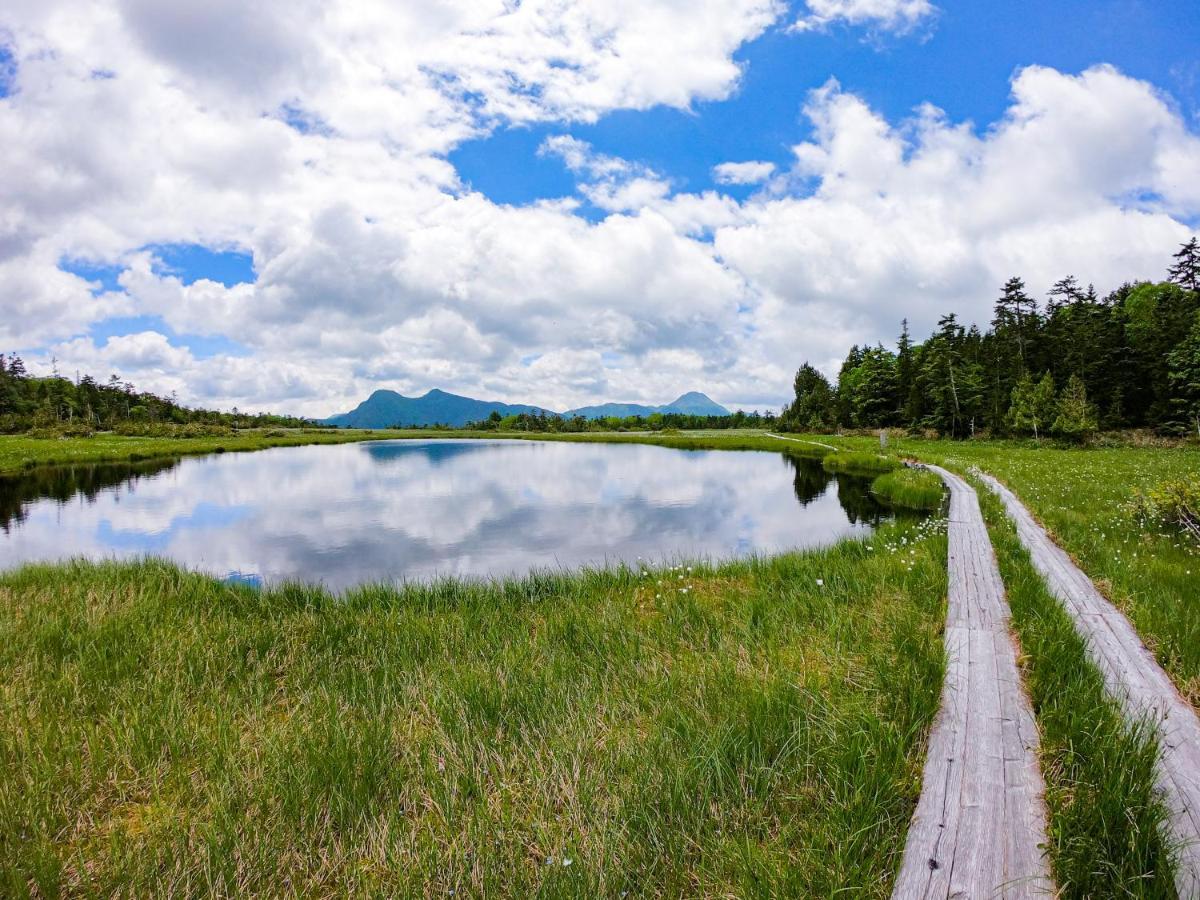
(815, 406)
(1016, 316)
(1127, 355)
(1076, 417)
(1033, 405)
(1064, 293)
(950, 380)
(1020, 411)
(1157, 319)
(1044, 403)
(852, 361)
(1186, 271)
(869, 389)
(1184, 375)
(905, 372)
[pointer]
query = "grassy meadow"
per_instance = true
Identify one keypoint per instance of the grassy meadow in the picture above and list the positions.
(750, 730)
(753, 729)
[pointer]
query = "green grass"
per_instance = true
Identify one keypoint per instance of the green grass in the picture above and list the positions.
(910, 488)
(751, 730)
(759, 735)
(1105, 815)
(1083, 498)
(859, 463)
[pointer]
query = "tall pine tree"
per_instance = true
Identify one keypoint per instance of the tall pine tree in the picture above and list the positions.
(1186, 270)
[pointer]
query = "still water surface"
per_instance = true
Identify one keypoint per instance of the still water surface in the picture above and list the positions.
(351, 513)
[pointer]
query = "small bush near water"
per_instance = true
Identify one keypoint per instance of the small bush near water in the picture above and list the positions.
(910, 488)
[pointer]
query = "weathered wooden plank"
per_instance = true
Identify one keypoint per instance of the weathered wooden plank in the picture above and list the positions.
(979, 861)
(980, 823)
(1133, 678)
(934, 830)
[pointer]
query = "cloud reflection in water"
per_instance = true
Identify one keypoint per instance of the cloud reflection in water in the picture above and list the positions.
(414, 509)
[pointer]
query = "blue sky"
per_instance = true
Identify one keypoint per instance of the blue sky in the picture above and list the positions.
(187, 262)
(962, 61)
(565, 204)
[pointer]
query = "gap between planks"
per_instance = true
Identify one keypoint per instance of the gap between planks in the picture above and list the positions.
(1134, 679)
(979, 830)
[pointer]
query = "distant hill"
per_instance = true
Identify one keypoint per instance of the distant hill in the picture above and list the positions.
(386, 408)
(692, 403)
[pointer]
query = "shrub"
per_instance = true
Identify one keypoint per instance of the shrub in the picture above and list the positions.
(170, 430)
(1175, 504)
(61, 430)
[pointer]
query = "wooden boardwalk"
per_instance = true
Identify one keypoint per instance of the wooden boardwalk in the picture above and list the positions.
(980, 824)
(1134, 679)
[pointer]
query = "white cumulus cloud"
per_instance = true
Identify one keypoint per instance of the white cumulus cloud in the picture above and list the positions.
(743, 172)
(887, 15)
(313, 137)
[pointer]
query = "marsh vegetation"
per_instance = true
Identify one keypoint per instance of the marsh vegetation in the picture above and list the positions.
(752, 729)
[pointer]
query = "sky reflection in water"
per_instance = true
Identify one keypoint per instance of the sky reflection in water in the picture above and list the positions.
(351, 513)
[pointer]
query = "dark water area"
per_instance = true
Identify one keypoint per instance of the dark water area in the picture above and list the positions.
(403, 510)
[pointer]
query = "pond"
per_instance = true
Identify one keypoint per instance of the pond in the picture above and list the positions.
(415, 509)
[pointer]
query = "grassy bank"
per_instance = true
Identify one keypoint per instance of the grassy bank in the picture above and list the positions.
(1084, 497)
(19, 453)
(753, 730)
(915, 488)
(861, 463)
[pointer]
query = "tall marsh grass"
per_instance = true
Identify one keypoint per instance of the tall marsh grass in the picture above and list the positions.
(910, 488)
(859, 463)
(754, 729)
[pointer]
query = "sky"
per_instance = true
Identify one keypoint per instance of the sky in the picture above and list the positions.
(287, 204)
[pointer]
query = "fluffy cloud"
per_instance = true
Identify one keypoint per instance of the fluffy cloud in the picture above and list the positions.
(888, 15)
(1079, 176)
(743, 172)
(612, 184)
(320, 151)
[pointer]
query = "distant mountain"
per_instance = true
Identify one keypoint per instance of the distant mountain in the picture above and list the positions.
(692, 403)
(386, 408)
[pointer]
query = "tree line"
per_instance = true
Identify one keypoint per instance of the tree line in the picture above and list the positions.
(553, 424)
(1068, 367)
(58, 405)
